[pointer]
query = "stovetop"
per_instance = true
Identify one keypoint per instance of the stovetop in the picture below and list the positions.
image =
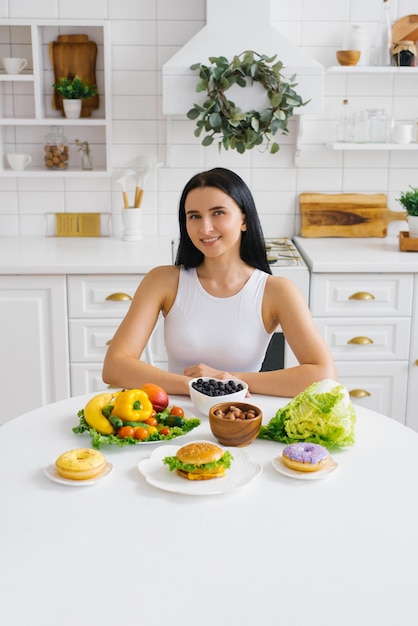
(282, 252)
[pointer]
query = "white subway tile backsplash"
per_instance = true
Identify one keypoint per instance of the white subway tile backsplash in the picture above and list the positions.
(171, 33)
(181, 9)
(359, 179)
(133, 32)
(132, 9)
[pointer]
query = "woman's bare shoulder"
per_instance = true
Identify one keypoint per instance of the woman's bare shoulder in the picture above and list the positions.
(281, 291)
(163, 273)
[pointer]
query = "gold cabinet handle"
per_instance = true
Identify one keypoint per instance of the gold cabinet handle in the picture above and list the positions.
(358, 393)
(360, 341)
(118, 297)
(108, 342)
(416, 362)
(361, 295)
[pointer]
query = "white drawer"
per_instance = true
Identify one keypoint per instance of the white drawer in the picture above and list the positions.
(381, 387)
(89, 339)
(101, 296)
(358, 340)
(87, 378)
(361, 295)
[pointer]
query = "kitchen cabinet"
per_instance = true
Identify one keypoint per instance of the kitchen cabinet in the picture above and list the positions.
(34, 343)
(412, 400)
(26, 110)
(96, 306)
(366, 322)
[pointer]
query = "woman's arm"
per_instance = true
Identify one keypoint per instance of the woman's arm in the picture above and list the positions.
(122, 365)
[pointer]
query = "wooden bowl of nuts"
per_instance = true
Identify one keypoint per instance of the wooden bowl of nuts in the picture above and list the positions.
(235, 424)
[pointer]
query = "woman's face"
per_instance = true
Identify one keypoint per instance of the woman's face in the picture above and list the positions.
(214, 221)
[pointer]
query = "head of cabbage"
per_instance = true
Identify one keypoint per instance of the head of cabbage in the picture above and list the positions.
(323, 414)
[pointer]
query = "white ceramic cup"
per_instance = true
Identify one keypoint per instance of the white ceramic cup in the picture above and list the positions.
(14, 65)
(402, 133)
(18, 161)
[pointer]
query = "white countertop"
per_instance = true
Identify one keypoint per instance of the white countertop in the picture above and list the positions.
(342, 550)
(109, 255)
(82, 255)
(347, 254)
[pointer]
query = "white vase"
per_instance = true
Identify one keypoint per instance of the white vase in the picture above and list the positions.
(72, 108)
(413, 225)
(132, 224)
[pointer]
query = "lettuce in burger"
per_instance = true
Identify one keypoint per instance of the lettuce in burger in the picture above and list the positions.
(200, 460)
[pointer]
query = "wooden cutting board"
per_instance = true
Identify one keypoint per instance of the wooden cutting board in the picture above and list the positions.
(346, 215)
(405, 28)
(74, 55)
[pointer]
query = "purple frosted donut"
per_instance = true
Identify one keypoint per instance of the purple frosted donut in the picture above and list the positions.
(306, 457)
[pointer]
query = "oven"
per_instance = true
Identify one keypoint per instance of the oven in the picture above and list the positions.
(285, 260)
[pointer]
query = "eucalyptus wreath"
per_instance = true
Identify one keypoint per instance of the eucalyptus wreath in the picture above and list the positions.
(220, 118)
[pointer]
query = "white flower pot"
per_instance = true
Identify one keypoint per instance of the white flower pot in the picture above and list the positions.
(72, 108)
(413, 225)
(132, 224)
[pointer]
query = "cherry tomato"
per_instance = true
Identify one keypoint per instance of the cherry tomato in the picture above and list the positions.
(152, 421)
(151, 430)
(141, 433)
(164, 430)
(176, 410)
(126, 431)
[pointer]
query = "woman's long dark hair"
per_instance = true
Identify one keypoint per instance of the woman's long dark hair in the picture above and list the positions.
(252, 248)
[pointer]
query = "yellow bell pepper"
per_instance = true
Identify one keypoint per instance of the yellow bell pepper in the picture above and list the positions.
(132, 405)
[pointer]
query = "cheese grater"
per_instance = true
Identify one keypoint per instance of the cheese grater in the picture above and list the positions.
(78, 224)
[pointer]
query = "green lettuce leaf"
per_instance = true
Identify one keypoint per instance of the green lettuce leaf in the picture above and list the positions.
(174, 463)
(323, 414)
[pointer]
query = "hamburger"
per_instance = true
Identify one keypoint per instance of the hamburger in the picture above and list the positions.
(200, 460)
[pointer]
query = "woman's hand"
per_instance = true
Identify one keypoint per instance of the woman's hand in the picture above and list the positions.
(195, 371)
(200, 369)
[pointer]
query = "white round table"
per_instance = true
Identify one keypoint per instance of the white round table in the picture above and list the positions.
(338, 551)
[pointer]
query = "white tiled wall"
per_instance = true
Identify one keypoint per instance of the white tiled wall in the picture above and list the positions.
(144, 34)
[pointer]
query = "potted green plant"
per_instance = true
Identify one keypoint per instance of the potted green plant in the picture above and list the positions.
(73, 90)
(221, 118)
(409, 200)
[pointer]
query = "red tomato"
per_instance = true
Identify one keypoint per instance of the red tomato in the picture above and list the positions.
(141, 433)
(164, 430)
(151, 421)
(177, 410)
(126, 431)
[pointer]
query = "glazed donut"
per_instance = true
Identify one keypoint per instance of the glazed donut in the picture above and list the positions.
(80, 464)
(305, 457)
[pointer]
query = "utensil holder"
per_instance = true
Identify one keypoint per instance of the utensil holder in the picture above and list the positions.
(132, 224)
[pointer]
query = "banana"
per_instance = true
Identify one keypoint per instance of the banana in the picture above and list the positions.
(94, 416)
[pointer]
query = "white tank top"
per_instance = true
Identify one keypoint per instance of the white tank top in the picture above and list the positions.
(225, 333)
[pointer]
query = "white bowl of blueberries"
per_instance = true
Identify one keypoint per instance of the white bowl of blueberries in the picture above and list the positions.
(207, 391)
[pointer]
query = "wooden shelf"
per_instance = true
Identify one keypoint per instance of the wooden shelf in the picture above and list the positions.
(34, 106)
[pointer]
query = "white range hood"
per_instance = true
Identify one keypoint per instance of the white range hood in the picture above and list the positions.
(232, 27)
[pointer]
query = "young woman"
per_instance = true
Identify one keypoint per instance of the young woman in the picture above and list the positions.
(219, 301)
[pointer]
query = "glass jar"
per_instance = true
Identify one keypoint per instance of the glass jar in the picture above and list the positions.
(56, 150)
(345, 125)
(378, 126)
(404, 53)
